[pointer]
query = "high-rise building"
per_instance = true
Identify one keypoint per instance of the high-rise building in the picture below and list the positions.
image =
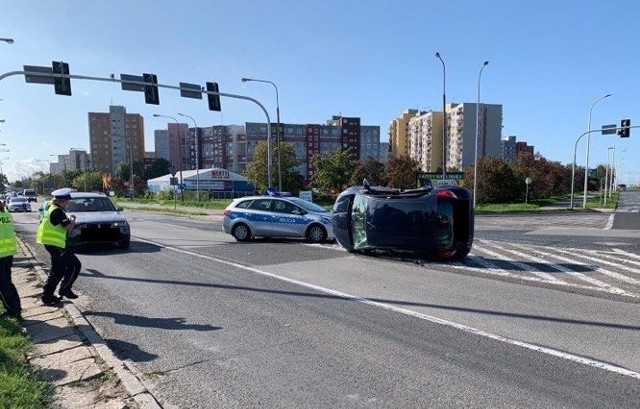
(76, 159)
(510, 148)
(161, 144)
(419, 134)
(115, 137)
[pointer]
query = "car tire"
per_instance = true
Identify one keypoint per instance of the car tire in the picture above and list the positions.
(241, 232)
(316, 234)
(125, 243)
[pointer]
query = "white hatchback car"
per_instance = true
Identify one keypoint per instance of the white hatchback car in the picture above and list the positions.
(272, 216)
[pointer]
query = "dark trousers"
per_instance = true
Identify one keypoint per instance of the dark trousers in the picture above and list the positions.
(65, 267)
(8, 292)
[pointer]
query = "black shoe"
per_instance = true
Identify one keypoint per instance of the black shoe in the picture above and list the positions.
(15, 315)
(68, 294)
(50, 300)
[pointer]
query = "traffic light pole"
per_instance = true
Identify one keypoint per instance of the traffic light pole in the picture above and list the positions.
(142, 84)
(575, 148)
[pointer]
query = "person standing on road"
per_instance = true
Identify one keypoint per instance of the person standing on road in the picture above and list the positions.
(8, 247)
(52, 232)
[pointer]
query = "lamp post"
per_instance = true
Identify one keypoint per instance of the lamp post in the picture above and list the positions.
(444, 117)
(277, 124)
(606, 173)
(179, 149)
(475, 161)
(197, 138)
(586, 161)
(7, 40)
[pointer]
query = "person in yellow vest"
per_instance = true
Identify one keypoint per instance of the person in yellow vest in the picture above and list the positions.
(8, 247)
(52, 232)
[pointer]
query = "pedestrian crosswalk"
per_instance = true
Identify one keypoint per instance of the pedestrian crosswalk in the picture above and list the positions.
(615, 271)
(529, 222)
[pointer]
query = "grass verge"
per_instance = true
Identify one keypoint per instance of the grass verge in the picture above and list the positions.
(20, 386)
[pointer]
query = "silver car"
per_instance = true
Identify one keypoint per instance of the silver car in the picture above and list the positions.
(98, 221)
(18, 204)
(267, 216)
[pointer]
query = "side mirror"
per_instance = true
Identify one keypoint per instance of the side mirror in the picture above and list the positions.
(119, 209)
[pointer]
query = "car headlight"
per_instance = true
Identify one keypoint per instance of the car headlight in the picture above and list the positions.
(119, 224)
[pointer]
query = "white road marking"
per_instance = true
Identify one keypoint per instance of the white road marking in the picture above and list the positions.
(549, 351)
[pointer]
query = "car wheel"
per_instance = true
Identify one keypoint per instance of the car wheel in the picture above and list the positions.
(124, 243)
(316, 233)
(241, 232)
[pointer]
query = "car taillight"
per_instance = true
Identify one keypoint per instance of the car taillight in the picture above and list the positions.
(226, 212)
(446, 194)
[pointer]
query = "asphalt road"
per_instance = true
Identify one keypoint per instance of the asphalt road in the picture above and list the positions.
(532, 318)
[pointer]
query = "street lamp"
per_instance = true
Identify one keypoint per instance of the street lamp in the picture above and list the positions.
(195, 130)
(444, 117)
(277, 125)
(586, 161)
(179, 149)
(606, 173)
(7, 40)
(475, 166)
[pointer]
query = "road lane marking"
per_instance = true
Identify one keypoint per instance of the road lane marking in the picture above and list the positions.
(549, 351)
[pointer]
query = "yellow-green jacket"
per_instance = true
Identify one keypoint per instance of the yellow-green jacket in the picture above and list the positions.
(7, 236)
(50, 234)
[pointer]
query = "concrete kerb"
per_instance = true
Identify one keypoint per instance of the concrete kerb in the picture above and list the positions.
(98, 347)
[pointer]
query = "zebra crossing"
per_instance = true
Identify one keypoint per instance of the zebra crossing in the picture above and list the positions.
(613, 271)
(532, 222)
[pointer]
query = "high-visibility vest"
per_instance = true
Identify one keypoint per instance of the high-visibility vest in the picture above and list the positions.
(8, 246)
(50, 234)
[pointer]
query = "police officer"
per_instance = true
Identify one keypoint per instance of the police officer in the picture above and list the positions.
(52, 232)
(8, 293)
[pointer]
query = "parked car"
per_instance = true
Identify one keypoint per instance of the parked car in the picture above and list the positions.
(273, 215)
(18, 204)
(43, 208)
(98, 221)
(30, 194)
(437, 223)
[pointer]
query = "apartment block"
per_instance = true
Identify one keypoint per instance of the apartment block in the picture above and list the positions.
(76, 159)
(115, 137)
(424, 131)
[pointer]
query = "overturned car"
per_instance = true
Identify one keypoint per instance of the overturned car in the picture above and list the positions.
(432, 222)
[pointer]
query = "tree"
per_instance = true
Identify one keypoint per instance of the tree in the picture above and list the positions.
(370, 169)
(159, 167)
(88, 182)
(256, 171)
(292, 180)
(333, 172)
(401, 172)
(496, 181)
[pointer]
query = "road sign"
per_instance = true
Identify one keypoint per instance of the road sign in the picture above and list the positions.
(196, 93)
(127, 86)
(609, 129)
(37, 79)
(173, 181)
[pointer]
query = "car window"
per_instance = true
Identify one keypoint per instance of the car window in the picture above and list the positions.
(245, 204)
(308, 206)
(282, 206)
(261, 204)
(90, 204)
(358, 221)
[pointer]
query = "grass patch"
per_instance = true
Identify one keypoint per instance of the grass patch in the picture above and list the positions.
(20, 386)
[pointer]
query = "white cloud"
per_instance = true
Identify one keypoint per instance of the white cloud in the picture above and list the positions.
(24, 168)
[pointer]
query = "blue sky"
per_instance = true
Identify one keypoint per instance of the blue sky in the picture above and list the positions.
(549, 61)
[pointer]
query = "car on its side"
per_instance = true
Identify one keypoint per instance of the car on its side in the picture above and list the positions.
(436, 223)
(98, 221)
(18, 204)
(273, 215)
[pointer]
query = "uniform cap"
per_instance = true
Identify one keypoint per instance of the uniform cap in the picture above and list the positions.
(62, 194)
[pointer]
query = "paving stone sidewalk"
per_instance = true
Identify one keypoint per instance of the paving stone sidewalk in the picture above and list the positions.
(69, 353)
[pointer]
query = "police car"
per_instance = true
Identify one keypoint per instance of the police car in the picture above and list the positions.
(277, 215)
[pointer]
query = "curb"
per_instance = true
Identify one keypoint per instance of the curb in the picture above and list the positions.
(122, 370)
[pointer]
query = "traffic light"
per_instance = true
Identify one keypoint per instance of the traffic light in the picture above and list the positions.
(214, 100)
(624, 125)
(151, 95)
(62, 86)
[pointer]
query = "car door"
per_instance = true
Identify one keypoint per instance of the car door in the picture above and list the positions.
(289, 220)
(260, 217)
